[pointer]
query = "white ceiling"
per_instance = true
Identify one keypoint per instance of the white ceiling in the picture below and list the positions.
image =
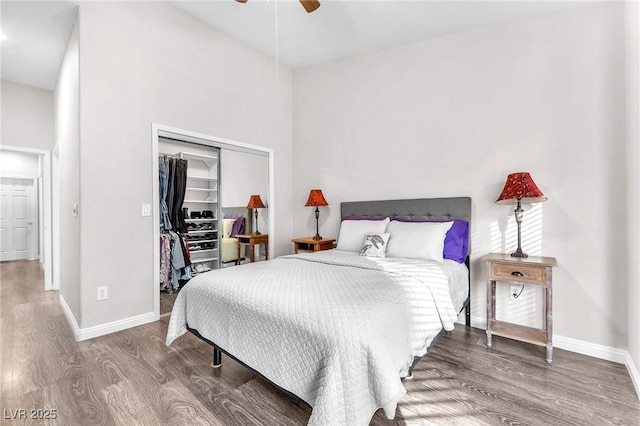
(37, 32)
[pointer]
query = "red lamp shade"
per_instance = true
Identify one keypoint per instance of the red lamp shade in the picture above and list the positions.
(255, 202)
(316, 199)
(520, 186)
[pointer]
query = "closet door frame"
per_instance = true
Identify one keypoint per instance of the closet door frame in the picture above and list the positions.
(160, 130)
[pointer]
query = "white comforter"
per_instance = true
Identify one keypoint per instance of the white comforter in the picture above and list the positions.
(337, 329)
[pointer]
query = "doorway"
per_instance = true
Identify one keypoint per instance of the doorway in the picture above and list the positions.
(160, 132)
(25, 208)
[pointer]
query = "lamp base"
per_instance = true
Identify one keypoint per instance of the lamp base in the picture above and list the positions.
(519, 253)
(317, 237)
(257, 233)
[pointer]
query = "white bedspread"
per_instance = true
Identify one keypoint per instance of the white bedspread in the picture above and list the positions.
(336, 329)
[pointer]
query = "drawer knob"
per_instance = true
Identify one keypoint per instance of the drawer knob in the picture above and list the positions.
(517, 274)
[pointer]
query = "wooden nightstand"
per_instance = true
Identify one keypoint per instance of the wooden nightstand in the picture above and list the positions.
(252, 240)
(531, 270)
(309, 244)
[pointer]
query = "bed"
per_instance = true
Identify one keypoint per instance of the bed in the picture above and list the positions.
(335, 329)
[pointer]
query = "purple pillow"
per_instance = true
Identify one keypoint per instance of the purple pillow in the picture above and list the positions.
(456, 242)
(238, 226)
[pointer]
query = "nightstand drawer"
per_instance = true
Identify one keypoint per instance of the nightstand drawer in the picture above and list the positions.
(517, 273)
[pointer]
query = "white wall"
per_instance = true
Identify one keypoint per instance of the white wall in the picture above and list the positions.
(66, 179)
(14, 163)
(145, 62)
(243, 175)
(453, 116)
(633, 181)
(27, 116)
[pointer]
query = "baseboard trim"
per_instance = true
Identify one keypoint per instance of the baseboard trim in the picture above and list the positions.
(595, 350)
(70, 317)
(107, 328)
(112, 327)
(591, 349)
(633, 372)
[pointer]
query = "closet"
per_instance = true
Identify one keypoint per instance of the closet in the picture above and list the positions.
(189, 212)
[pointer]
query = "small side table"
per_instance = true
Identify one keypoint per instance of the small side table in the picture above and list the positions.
(309, 244)
(531, 270)
(252, 240)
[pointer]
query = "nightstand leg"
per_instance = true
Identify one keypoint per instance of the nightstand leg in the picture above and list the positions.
(549, 312)
(491, 308)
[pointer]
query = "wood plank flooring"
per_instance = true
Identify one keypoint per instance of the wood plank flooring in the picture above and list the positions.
(132, 378)
(166, 302)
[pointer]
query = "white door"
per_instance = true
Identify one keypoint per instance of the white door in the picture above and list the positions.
(18, 232)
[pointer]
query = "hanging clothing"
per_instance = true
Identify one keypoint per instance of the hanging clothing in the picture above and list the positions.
(175, 263)
(171, 173)
(173, 186)
(165, 260)
(165, 223)
(180, 188)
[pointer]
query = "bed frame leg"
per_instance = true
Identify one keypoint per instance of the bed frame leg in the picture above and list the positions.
(217, 358)
(467, 314)
(467, 309)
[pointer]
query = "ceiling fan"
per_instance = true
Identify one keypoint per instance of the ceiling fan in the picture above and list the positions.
(309, 5)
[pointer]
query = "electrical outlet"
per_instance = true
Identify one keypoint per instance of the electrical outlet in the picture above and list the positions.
(102, 293)
(515, 289)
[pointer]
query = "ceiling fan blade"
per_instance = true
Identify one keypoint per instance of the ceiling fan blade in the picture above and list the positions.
(309, 5)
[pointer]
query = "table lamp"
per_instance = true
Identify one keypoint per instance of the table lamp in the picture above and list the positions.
(255, 202)
(520, 189)
(316, 199)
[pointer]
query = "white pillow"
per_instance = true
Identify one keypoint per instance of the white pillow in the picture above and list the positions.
(418, 240)
(227, 227)
(352, 232)
(375, 245)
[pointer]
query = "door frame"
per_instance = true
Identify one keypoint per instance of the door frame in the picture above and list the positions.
(44, 212)
(214, 142)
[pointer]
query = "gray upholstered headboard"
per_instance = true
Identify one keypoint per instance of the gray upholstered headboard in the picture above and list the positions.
(418, 208)
(414, 209)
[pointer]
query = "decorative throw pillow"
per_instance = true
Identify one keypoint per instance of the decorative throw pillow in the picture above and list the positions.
(352, 232)
(227, 226)
(375, 245)
(238, 226)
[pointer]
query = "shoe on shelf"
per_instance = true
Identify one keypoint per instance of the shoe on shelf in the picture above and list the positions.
(196, 215)
(207, 214)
